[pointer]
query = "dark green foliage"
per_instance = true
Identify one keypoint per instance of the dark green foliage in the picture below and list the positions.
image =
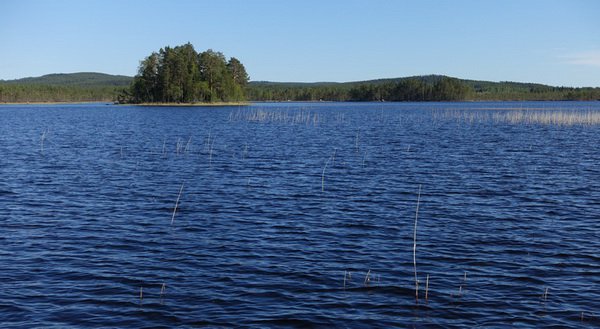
(73, 87)
(81, 79)
(181, 75)
(415, 89)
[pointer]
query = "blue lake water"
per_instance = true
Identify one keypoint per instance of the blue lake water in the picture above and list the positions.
(300, 215)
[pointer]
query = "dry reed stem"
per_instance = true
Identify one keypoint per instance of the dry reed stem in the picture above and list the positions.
(427, 289)
(176, 203)
(415, 246)
(187, 146)
(210, 150)
(42, 139)
(323, 173)
(162, 292)
(367, 278)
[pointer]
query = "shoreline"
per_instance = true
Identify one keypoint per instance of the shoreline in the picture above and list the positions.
(216, 104)
(248, 103)
(56, 103)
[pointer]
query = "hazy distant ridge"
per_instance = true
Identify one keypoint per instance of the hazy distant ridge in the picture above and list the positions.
(80, 79)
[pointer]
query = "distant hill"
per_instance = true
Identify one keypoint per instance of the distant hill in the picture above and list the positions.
(64, 87)
(428, 79)
(416, 88)
(80, 79)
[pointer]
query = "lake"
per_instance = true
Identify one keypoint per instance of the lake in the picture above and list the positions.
(300, 215)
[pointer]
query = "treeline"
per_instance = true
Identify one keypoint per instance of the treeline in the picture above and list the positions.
(64, 87)
(416, 89)
(23, 93)
(79, 79)
(406, 89)
(181, 75)
(510, 91)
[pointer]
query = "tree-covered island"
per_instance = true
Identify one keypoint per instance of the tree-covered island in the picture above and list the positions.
(182, 75)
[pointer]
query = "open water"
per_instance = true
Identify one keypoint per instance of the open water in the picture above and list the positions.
(300, 215)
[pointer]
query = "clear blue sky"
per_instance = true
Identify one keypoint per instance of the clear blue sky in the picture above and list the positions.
(552, 42)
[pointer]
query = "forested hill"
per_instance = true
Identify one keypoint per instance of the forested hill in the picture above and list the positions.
(64, 87)
(416, 88)
(81, 79)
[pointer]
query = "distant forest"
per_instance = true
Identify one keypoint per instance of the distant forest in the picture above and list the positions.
(72, 87)
(79, 87)
(416, 89)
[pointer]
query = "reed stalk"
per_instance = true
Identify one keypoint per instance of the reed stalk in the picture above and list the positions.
(333, 157)
(415, 247)
(427, 289)
(324, 168)
(187, 146)
(210, 151)
(367, 278)
(42, 139)
(162, 292)
(176, 204)
(364, 159)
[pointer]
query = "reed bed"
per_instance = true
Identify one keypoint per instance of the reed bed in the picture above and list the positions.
(549, 117)
(557, 117)
(294, 117)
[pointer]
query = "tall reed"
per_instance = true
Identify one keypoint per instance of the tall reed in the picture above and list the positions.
(415, 247)
(324, 168)
(176, 204)
(42, 139)
(427, 289)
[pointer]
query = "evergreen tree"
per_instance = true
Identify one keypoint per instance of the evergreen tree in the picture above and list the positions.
(182, 75)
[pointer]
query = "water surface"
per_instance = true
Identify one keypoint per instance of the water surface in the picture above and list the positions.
(299, 215)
